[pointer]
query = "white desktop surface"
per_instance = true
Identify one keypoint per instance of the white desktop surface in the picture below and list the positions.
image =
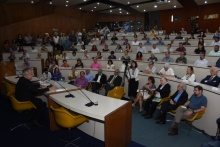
(105, 105)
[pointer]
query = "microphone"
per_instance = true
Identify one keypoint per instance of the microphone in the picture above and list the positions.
(91, 103)
(66, 96)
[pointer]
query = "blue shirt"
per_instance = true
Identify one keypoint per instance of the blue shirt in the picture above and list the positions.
(147, 43)
(178, 96)
(197, 102)
(56, 76)
(89, 77)
(160, 43)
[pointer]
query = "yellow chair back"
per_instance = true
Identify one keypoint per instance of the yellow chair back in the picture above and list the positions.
(10, 88)
(67, 120)
(118, 92)
(198, 115)
(20, 106)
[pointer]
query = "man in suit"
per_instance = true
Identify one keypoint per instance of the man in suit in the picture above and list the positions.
(177, 99)
(213, 79)
(99, 79)
(113, 80)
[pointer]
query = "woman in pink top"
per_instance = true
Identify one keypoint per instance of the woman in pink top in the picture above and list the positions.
(95, 64)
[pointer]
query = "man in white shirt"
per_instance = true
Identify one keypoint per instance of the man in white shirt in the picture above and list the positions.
(202, 62)
(46, 75)
(150, 69)
(155, 49)
(24, 55)
(215, 52)
(168, 49)
(135, 42)
(125, 34)
(166, 71)
(141, 48)
(216, 42)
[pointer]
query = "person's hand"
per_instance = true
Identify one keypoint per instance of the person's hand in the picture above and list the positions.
(171, 102)
(188, 113)
(52, 88)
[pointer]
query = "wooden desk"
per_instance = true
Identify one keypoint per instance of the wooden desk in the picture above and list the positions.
(111, 118)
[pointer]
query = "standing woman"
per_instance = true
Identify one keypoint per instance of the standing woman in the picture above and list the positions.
(132, 75)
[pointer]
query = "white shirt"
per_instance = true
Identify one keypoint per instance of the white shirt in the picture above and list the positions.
(153, 69)
(110, 66)
(24, 56)
(80, 43)
(166, 50)
(99, 77)
(135, 43)
(215, 43)
(133, 74)
(56, 39)
(213, 53)
(201, 63)
(125, 34)
(143, 49)
(168, 72)
(189, 78)
(47, 76)
(156, 50)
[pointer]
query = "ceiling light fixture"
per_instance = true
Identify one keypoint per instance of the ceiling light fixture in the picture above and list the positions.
(128, 2)
(155, 6)
(110, 6)
(97, 3)
(32, 2)
(51, 2)
(144, 10)
(94, 7)
(174, 6)
(67, 1)
(80, 8)
(110, 10)
(137, 6)
(168, 1)
(66, 5)
(120, 9)
(205, 2)
(92, 10)
(120, 12)
(127, 13)
(84, 0)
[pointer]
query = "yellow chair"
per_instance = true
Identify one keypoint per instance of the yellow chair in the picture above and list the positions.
(197, 116)
(118, 92)
(67, 120)
(164, 100)
(20, 107)
(10, 88)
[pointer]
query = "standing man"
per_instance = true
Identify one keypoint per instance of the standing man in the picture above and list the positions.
(113, 81)
(197, 103)
(98, 81)
(26, 91)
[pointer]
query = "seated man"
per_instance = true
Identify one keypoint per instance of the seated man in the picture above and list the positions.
(196, 103)
(201, 62)
(150, 69)
(113, 81)
(154, 49)
(167, 71)
(147, 41)
(152, 58)
(135, 42)
(182, 58)
(86, 56)
(98, 81)
(73, 75)
(177, 99)
(168, 49)
(216, 42)
(95, 64)
(160, 42)
(88, 76)
(46, 75)
(141, 48)
(167, 58)
(179, 36)
(112, 56)
(186, 41)
(81, 81)
(26, 91)
(213, 79)
(181, 48)
(215, 52)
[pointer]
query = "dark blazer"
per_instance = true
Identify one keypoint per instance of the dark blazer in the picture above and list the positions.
(182, 99)
(214, 82)
(117, 81)
(102, 80)
(165, 91)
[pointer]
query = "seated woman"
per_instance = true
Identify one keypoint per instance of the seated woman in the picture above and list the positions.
(99, 55)
(94, 48)
(151, 103)
(83, 48)
(102, 42)
(126, 57)
(105, 49)
(118, 49)
(79, 64)
(74, 55)
(65, 64)
(56, 75)
(200, 49)
(110, 65)
(190, 76)
(139, 56)
(128, 47)
(145, 92)
(12, 57)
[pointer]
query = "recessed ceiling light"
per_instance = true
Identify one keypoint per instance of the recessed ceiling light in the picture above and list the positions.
(137, 6)
(94, 7)
(120, 9)
(32, 2)
(97, 3)
(128, 2)
(84, 0)
(205, 2)
(110, 10)
(144, 10)
(168, 1)
(110, 6)
(51, 2)
(92, 10)
(67, 1)
(120, 12)
(174, 6)
(127, 13)
(66, 5)
(155, 6)
(80, 8)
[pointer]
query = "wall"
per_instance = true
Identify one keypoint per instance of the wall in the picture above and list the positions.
(184, 13)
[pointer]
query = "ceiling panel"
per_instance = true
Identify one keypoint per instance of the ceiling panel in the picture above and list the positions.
(202, 2)
(95, 7)
(125, 2)
(116, 11)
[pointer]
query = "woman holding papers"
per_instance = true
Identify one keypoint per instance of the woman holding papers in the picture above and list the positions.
(145, 92)
(190, 76)
(151, 103)
(132, 75)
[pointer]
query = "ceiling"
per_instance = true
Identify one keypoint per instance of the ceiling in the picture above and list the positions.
(119, 7)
